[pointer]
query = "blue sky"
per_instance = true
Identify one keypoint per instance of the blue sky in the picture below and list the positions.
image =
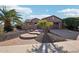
(48, 9)
(61, 11)
(41, 11)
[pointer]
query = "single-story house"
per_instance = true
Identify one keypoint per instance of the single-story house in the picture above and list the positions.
(56, 20)
(30, 23)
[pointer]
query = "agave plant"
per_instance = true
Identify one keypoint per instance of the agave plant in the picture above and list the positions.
(7, 17)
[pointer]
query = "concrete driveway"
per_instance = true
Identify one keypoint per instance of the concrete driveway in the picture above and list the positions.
(71, 46)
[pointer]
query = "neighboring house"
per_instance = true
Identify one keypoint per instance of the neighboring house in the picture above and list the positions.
(56, 20)
(30, 24)
(27, 24)
(34, 22)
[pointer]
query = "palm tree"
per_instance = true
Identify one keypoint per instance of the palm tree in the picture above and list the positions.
(7, 17)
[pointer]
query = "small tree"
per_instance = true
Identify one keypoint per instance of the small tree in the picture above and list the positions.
(45, 25)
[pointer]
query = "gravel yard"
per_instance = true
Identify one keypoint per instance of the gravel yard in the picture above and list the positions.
(19, 45)
(67, 34)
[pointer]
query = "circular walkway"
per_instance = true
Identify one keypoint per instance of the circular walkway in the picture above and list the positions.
(38, 33)
(28, 36)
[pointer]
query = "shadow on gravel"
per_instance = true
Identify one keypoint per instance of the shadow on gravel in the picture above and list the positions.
(47, 45)
(52, 49)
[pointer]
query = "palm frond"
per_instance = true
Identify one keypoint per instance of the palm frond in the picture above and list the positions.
(1, 23)
(3, 10)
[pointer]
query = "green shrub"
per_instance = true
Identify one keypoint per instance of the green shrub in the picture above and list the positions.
(71, 23)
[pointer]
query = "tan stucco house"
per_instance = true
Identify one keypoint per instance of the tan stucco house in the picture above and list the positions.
(56, 20)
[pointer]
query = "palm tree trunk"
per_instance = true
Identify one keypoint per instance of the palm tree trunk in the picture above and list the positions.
(7, 26)
(44, 40)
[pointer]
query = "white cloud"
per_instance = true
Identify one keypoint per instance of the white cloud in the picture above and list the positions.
(38, 16)
(26, 12)
(70, 12)
(23, 10)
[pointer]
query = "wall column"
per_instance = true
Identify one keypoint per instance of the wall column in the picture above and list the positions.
(60, 25)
